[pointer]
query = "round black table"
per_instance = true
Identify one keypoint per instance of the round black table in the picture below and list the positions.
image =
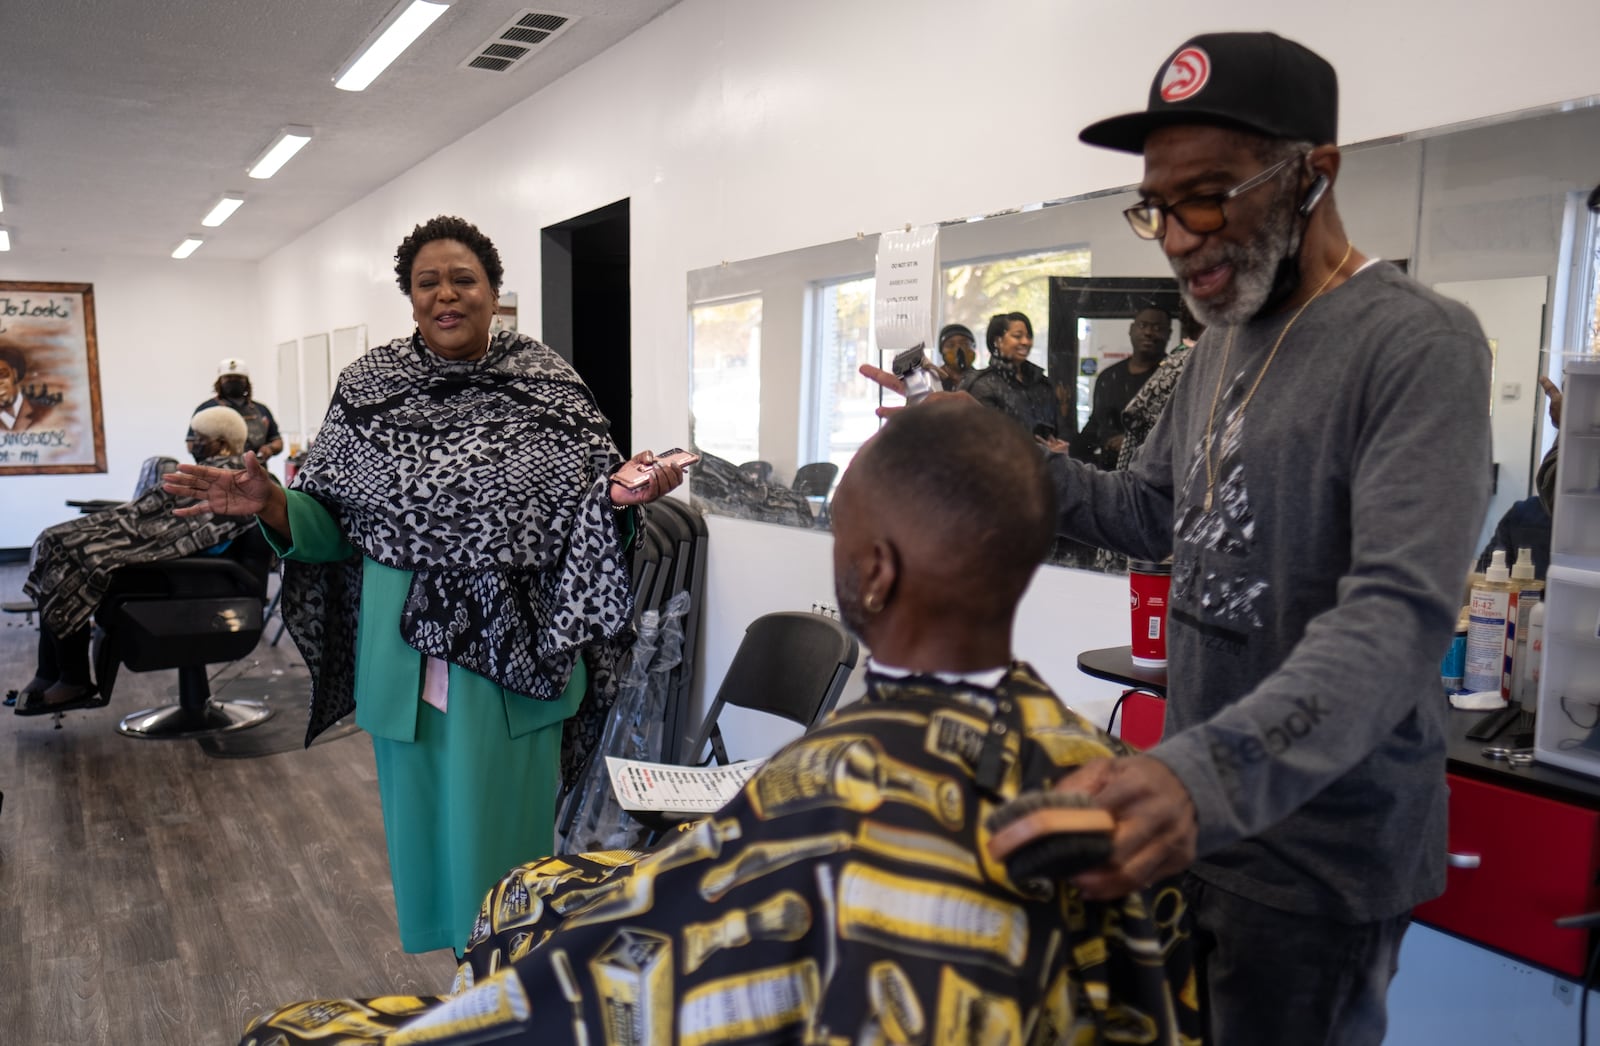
(1115, 664)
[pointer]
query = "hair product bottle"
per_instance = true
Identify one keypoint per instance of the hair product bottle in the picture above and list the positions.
(1486, 631)
(1528, 593)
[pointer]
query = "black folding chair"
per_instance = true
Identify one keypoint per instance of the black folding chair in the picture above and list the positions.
(789, 664)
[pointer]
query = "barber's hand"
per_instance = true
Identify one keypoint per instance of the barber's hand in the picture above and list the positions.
(226, 492)
(1053, 445)
(884, 378)
(1156, 829)
(663, 478)
(1552, 390)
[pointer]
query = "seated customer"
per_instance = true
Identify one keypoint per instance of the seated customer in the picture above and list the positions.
(845, 894)
(1525, 524)
(73, 564)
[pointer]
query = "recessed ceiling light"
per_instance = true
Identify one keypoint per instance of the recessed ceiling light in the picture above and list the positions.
(5, 239)
(187, 247)
(394, 34)
(223, 210)
(290, 140)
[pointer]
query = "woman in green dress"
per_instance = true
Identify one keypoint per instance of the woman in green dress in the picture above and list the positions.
(456, 573)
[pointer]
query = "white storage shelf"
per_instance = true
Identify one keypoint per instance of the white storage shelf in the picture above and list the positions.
(1567, 730)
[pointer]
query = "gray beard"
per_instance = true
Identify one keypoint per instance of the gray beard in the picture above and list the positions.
(1256, 268)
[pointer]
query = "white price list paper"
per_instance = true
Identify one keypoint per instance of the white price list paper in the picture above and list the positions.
(685, 789)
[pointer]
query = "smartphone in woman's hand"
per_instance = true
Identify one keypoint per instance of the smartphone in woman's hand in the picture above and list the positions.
(635, 474)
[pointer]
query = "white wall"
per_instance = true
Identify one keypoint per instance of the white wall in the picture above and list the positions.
(161, 328)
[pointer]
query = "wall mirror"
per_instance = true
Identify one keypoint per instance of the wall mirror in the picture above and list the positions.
(315, 381)
(1492, 213)
(288, 401)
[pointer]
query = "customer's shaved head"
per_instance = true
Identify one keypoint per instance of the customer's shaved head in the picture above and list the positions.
(958, 494)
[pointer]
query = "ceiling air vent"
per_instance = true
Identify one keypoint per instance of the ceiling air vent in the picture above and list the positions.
(524, 35)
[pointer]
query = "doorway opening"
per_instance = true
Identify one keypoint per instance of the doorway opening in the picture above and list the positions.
(586, 308)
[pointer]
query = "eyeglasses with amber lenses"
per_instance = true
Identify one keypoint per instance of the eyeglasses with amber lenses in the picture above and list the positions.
(1198, 214)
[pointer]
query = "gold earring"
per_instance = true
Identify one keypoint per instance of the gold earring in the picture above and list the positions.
(871, 603)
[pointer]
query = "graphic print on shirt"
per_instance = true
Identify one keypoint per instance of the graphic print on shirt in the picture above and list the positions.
(1210, 574)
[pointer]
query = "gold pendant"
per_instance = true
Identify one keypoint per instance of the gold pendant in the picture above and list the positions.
(1207, 505)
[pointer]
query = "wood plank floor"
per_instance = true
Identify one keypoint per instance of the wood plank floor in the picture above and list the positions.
(150, 893)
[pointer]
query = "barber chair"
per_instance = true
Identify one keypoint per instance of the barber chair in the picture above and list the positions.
(150, 474)
(186, 614)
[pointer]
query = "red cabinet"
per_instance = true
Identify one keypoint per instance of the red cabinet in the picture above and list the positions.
(1518, 862)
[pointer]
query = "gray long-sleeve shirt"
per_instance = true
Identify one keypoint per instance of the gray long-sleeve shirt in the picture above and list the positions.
(1310, 606)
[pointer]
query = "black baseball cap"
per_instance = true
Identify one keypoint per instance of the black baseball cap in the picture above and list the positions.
(951, 329)
(1255, 81)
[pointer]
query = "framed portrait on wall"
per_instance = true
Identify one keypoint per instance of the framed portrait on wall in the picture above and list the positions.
(49, 380)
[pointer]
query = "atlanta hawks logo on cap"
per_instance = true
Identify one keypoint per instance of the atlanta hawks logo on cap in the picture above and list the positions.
(1188, 71)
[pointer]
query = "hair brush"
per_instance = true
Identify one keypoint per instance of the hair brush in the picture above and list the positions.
(1070, 834)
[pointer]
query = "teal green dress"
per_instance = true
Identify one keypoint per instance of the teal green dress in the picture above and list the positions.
(467, 794)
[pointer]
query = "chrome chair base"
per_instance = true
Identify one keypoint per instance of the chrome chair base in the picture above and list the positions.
(174, 721)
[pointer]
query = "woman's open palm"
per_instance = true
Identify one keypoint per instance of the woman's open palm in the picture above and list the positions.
(225, 492)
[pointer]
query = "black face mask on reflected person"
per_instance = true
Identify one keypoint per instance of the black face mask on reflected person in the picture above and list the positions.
(234, 388)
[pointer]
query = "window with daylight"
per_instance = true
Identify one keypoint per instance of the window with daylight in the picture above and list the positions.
(726, 393)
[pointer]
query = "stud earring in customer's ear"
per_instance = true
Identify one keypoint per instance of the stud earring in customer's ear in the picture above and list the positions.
(871, 603)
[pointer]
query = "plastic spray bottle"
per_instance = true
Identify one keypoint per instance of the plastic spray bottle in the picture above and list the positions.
(1490, 608)
(1528, 594)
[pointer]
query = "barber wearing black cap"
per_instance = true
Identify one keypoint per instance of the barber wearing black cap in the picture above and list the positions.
(1320, 486)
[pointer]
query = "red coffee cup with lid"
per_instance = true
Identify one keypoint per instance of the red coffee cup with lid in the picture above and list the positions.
(1149, 585)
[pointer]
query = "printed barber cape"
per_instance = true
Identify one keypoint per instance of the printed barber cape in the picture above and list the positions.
(845, 896)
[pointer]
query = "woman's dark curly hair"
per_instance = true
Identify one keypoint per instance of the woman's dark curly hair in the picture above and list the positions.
(447, 227)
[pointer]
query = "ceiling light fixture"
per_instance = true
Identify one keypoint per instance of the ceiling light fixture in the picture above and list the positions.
(290, 140)
(223, 210)
(394, 34)
(5, 239)
(187, 247)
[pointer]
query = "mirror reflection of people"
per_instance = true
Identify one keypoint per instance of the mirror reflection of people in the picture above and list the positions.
(233, 390)
(455, 574)
(957, 353)
(1011, 383)
(844, 888)
(1150, 402)
(1139, 417)
(1103, 434)
(73, 564)
(17, 412)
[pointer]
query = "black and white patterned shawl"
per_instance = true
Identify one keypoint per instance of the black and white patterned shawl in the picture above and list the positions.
(488, 481)
(72, 562)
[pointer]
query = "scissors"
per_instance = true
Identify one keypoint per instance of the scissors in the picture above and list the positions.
(1514, 756)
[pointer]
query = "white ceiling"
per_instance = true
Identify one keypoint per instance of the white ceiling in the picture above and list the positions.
(123, 121)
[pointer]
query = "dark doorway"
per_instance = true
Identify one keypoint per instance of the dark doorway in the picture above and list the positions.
(586, 308)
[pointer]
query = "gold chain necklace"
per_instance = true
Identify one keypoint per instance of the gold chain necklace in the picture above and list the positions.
(1222, 374)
